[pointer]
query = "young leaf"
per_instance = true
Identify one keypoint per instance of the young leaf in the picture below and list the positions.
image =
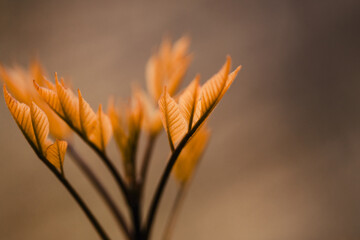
(167, 67)
(230, 80)
(173, 121)
(55, 154)
(154, 78)
(102, 132)
(117, 126)
(177, 74)
(188, 101)
(214, 89)
(50, 96)
(37, 71)
(34, 124)
(15, 82)
(180, 48)
(20, 82)
(40, 125)
(87, 116)
(151, 114)
(69, 104)
(190, 155)
(77, 113)
(126, 128)
(22, 116)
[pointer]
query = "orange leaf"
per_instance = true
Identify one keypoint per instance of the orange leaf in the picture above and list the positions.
(87, 116)
(173, 121)
(102, 132)
(189, 99)
(190, 155)
(55, 154)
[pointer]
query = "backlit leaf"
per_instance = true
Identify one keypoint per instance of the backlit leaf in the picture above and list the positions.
(151, 114)
(173, 121)
(167, 67)
(69, 104)
(102, 132)
(230, 80)
(214, 89)
(55, 154)
(87, 115)
(189, 99)
(50, 96)
(177, 75)
(118, 128)
(34, 124)
(154, 78)
(22, 116)
(15, 82)
(40, 125)
(190, 155)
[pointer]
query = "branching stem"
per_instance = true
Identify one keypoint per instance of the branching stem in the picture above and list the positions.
(114, 172)
(166, 174)
(146, 161)
(161, 186)
(77, 198)
(100, 188)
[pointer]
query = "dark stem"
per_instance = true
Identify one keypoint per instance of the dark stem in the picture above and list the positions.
(132, 202)
(111, 168)
(140, 185)
(77, 198)
(134, 194)
(100, 188)
(105, 159)
(175, 210)
(134, 141)
(165, 176)
(101, 153)
(145, 164)
(179, 200)
(135, 214)
(161, 186)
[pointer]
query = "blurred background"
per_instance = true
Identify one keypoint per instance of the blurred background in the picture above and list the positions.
(283, 160)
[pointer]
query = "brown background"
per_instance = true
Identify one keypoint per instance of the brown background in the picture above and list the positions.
(283, 161)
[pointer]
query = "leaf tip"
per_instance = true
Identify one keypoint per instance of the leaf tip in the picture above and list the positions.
(62, 82)
(237, 70)
(36, 85)
(228, 58)
(57, 80)
(79, 94)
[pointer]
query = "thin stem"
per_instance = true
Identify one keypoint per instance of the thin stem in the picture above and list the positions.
(136, 214)
(100, 153)
(132, 202)
(145, 164)
(134, 141)
(100, 188)
(165, 176)
(139, 187)
(77, 198)
(163, 181)
(116, 175)
(175, 210)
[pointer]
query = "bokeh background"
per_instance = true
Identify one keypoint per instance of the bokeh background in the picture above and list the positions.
(283, 161)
